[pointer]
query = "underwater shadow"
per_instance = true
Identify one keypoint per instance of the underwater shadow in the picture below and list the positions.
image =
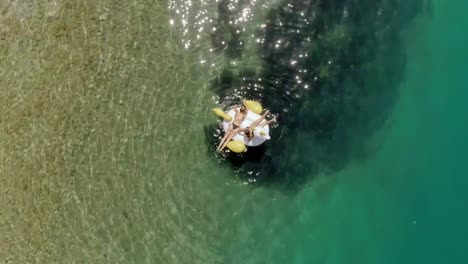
(331, 69)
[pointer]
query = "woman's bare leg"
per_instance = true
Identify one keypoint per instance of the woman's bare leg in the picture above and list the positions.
(259, 120)
(231, 135)
(226, 135)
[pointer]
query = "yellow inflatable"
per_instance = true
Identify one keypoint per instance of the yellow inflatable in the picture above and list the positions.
(253, 106)
(222, 114)
(236, 146)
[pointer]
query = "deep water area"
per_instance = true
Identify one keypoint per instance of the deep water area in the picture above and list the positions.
(330, 70)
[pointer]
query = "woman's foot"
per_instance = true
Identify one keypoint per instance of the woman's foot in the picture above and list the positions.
(218, 149)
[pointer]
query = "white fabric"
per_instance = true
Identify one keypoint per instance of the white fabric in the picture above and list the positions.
(249, 119)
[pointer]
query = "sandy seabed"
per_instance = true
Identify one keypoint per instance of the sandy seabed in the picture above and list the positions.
(100, 137)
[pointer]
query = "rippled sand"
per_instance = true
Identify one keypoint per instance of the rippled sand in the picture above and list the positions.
(102, 158)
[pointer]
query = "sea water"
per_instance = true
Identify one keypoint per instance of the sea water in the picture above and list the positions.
(107, 134)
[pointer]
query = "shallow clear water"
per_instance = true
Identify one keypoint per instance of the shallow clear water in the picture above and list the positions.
(105, 108)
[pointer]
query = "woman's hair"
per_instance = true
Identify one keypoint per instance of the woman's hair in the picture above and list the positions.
(248, 132)
(243, 108)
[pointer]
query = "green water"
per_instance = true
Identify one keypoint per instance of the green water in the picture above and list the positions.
(407, 203)
(104, 159)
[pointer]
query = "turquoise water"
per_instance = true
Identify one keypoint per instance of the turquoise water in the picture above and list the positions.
(404, 204)
(433, 118)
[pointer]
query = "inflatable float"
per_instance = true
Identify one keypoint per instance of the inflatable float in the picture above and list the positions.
(240, 141)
